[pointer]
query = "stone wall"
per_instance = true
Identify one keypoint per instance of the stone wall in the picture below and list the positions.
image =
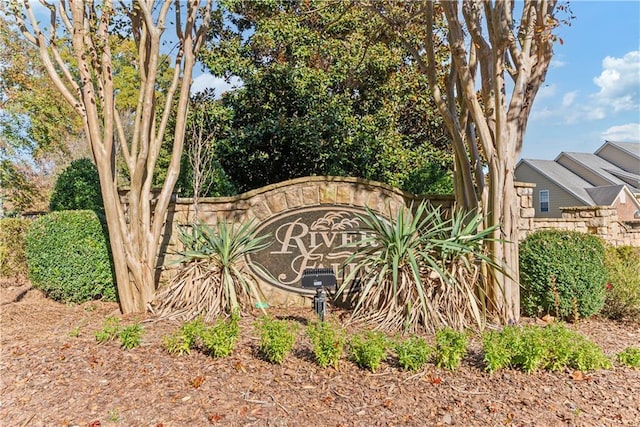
(599, 220)
(262, 204)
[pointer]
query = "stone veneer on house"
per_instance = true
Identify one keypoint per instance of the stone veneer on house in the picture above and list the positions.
(599, 220)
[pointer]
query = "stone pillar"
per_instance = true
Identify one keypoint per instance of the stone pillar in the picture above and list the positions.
(524, 190)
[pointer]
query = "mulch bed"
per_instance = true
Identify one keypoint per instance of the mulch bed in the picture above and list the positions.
(54, 373)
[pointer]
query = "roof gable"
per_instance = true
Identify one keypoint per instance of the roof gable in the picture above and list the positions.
(563, 177)
(605, 196)
(602, 168)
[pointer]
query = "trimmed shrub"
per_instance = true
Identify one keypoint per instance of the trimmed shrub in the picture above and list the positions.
(552, 348)
(451, 346)
(328, 341)
(77, 188)
(277, 338)
(68, 257)
(622, 300)
(562, 272)
(368, 349)
(630, 356)
(13, 261)
(413, 353)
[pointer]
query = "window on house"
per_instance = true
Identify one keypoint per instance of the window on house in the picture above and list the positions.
(623, 198)
(544, 200)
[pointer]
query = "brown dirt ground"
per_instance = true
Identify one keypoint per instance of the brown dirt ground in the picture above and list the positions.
(49, 377)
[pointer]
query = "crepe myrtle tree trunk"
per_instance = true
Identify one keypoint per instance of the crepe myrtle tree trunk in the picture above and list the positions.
(486, 116)
(83, 73)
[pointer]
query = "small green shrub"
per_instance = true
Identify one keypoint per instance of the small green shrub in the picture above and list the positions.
(499, 347)
(277, 338)
(220, 339)
(131, 336)
(13, 261)
(75, 332)
(413, 353)
(622, 298)
(328, 343)
(368, 350)
(561, 271)
(630, 356)
(184, 339)
(531, 348)
(69, 258)
(110, 330)
(451, 346)
(216, 341)
(77, 188)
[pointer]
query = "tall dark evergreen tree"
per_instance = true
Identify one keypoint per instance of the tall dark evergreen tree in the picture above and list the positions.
(325, 91)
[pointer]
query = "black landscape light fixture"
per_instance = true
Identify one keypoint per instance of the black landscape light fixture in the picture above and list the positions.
(319, 279)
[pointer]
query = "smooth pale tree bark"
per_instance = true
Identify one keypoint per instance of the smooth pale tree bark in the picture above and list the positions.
(497, 65)
(86, 81)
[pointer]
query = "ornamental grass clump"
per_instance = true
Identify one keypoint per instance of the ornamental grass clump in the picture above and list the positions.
(420, 271)
(213, 278)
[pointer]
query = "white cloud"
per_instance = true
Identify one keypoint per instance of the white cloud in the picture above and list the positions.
(624, 133)
(557, 63)
(569, 98)
(208, 81)
(619, 82)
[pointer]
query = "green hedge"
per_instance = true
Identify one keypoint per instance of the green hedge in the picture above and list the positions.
(13, 261)
(623, 283)
(561, 271)
(68, 257)
(77, 188)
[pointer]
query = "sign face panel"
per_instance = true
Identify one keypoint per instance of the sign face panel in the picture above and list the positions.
(312, 237)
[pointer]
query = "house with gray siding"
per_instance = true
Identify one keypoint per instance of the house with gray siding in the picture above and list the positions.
(608, 177)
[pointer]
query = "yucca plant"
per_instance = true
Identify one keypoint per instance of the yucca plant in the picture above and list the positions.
(212, 279)
(419, 271)
(454, 255)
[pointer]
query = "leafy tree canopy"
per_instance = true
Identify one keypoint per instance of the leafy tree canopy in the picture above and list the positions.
(326, 91)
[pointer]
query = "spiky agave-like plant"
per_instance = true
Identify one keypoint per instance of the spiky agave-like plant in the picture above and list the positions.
(419, 271)
(213, 278)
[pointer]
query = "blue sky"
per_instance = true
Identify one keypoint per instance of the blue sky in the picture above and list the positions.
(592, 90)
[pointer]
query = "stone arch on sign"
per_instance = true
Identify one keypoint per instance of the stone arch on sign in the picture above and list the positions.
(311, 215)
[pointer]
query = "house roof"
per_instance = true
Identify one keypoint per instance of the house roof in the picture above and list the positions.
(631, 148)
(630, 178)
(603, 168)
(563, 177)
(574, 180)
(605, 196)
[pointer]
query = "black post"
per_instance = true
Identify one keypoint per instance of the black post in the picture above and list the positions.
(320, 303)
